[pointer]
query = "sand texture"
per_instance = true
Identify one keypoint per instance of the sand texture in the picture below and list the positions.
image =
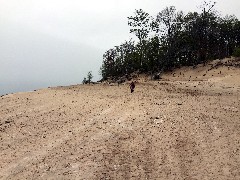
(184, 126)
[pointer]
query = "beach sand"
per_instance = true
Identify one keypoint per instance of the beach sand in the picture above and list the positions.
(184, 126)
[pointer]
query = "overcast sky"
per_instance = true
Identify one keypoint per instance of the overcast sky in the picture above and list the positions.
(56, 42)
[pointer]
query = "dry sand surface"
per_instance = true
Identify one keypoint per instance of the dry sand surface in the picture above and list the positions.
(180, 127)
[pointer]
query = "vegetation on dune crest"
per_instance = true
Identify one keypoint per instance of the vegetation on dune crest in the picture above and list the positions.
(84, 81)
(236, 52)
(173, 39)
(88, 79)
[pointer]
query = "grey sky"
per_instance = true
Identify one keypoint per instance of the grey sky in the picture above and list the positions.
(56, 42)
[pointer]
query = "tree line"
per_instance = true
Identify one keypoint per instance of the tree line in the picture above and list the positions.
(173, 39)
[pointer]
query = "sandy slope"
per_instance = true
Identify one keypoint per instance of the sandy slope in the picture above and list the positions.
(181, 127)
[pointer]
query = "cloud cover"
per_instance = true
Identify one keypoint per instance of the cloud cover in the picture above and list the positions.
(56, 42)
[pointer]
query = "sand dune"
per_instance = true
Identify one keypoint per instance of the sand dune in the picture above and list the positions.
(185, 126)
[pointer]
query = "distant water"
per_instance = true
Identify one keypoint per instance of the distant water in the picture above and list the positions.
(9, 88)
(14, 86)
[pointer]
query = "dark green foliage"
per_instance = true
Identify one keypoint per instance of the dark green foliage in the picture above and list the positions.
(84, 81)
(173, 39)
(140, 26)
(120, 60)
(236, 52)
(89, 77)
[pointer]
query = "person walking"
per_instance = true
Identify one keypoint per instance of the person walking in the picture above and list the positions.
(132, 86)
